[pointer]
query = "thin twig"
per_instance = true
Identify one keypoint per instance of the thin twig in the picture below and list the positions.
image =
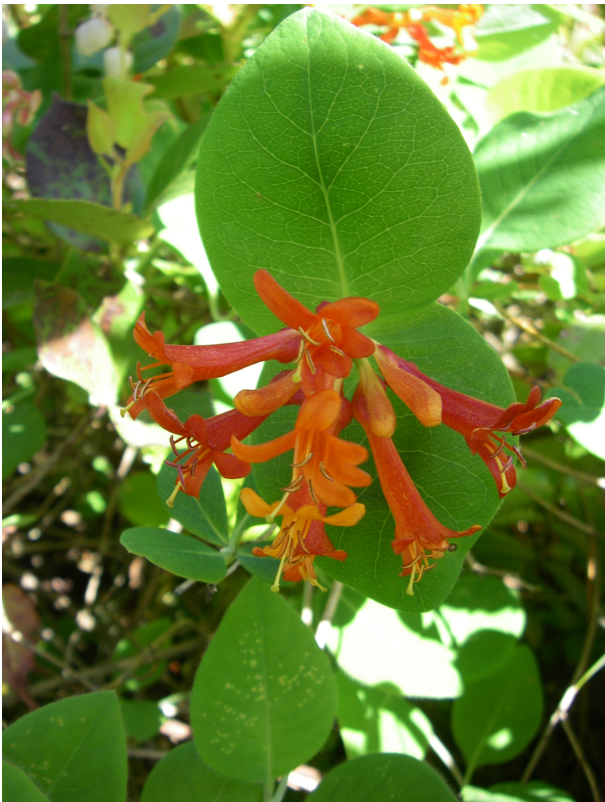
(564, 516)
(443, 753)
(148, 653)
(148, 754)
(67, 672)
(599, 481)
(47, 466)
(64, 35)
(560, 714)
(577, 748)
(509, 579)
(103, 669)
(527, 327)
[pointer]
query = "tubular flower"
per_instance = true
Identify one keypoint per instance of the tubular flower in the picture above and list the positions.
(192, 363)
(302, 536)
(419, 537)
(459, 21)
(321, 460)
(206, 442)
(330, 337)
(482, 425)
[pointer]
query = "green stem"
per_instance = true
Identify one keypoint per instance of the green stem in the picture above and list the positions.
(281, 789)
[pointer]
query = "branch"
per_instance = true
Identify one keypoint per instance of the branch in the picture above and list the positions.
(535, 333)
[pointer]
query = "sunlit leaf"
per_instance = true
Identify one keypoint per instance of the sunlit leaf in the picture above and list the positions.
(263, 700)
(330, 163)
(376, 778)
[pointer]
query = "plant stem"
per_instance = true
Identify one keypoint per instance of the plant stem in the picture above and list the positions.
(560, 714)
(527, 327)
(599, 481)
(564, 516)
(64, 35)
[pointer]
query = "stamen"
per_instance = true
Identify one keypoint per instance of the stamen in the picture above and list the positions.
(275, 585)
(312, 492)
(327, 330)
(324, 473)
(272, 515)
(304, 462)
(310, 362)
(337, 350)
(306, 336)
(173, 495)
(124, 410)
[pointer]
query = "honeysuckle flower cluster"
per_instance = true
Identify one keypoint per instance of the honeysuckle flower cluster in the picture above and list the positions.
(460, 21)
(324, 346)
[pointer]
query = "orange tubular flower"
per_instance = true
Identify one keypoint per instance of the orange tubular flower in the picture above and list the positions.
(429, 53)
(206, 443)
(326, 463)
(192, 363)
(481, 424)
(302, 536)
(419, 536)
(330, 336)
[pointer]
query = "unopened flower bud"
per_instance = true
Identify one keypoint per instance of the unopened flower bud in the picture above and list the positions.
(117, 62)
(93, 35)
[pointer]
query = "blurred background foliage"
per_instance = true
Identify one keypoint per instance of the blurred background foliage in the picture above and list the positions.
(99, 224)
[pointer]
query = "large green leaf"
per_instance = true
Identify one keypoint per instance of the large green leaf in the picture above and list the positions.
(205, 516)
(456, 485)
(180, 554)
(183, 775)
(330, 163)
(90, 218)
(73, 749)
(376, 778)
(543, 177)
(542, 89)
(264, 699)
(499, 715)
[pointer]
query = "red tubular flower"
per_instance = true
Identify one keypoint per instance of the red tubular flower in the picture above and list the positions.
(302, 536)
(330, 336)
(206, 443)
(418, 534)
(192, 363)
(327, 463)
(481, 424)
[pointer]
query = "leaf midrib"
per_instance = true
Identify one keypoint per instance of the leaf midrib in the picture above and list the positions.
(344, 284)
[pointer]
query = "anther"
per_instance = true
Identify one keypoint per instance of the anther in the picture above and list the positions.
(337, 350)
(312, 492)
(452, 547)
(310, 362)
(327, 330)
(324, 473)
(306, 336)
(303, 462)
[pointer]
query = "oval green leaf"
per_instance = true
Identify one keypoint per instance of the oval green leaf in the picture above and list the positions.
(543, 177)
(183, 775)
(375, 778)
(72, 749)
(330, 163)
(542, 90)
(90, 218)
(498, 716)
(264, 699)
(180, 554)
